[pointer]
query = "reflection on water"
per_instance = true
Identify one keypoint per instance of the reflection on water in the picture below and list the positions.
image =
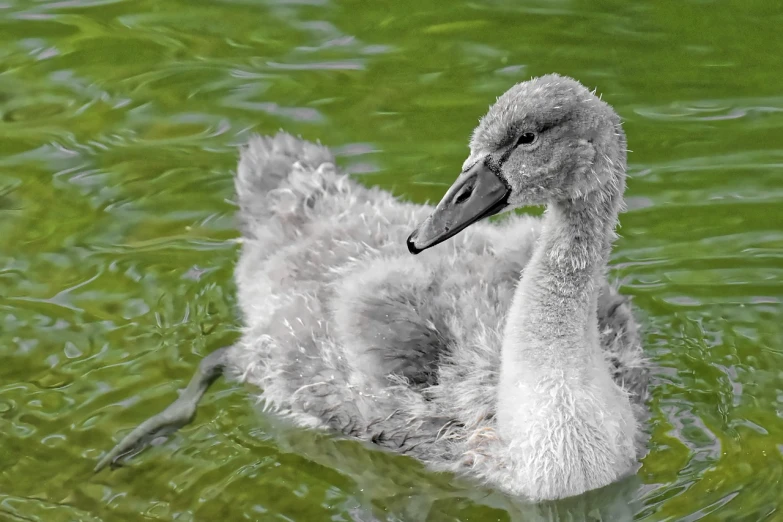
(119, 123)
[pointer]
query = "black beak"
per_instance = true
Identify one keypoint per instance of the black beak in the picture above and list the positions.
(479, 192)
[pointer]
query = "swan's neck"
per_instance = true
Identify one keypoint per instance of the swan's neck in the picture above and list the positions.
(552, 324)
(568, 427)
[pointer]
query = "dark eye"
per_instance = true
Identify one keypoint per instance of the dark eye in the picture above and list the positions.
(526, 139)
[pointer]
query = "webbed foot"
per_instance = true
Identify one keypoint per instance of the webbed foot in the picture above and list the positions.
(177, 414)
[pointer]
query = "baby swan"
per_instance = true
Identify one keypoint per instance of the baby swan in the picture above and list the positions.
(503, 355)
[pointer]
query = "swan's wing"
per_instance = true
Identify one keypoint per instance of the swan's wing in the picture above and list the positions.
(621, 342)
(388, 319)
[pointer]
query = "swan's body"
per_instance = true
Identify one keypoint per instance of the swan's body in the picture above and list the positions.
(532, 383)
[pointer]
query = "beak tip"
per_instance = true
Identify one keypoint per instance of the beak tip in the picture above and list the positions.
(412, 248)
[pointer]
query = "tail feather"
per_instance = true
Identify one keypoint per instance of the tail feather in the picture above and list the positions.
(266, 162)
(277, 173)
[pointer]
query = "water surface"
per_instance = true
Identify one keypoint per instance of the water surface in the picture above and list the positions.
(119, 122)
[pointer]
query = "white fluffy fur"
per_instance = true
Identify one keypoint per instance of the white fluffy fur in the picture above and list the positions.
(502, 353)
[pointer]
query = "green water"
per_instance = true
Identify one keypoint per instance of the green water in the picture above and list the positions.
(119, 122)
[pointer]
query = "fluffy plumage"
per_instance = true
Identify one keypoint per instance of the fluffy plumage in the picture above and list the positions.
(345, 330)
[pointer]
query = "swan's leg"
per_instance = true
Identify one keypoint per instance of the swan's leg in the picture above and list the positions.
(178, 414)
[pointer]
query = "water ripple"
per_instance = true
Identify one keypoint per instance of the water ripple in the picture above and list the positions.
(119, 123)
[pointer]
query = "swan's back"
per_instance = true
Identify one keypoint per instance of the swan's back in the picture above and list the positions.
(346, 330)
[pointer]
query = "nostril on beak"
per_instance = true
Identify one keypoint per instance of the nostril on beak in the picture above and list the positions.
(464, 195)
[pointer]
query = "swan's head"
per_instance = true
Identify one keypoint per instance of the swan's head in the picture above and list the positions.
(547, 139)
